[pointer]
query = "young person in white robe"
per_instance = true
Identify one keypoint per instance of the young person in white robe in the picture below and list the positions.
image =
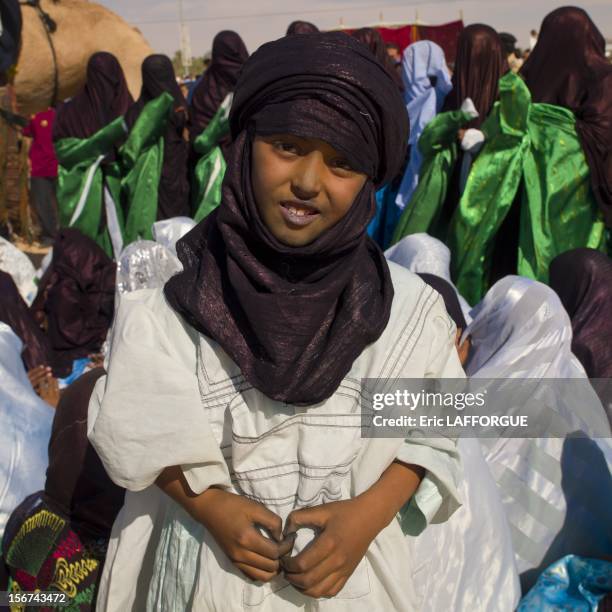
(232, 409)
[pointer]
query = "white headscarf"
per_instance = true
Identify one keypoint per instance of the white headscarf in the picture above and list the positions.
(18, 265)
(422, 253)
(521, 330)
(422, 62)
(25, 428)
(557, 492)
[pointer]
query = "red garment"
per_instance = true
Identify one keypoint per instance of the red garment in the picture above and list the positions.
(445, 35)
(42, 153)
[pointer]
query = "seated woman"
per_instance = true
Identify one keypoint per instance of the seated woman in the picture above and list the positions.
(25, 426)
(232, 406)
(582, 279)
(556, 490)
(71, 315)
(422, 253)
(56, 539)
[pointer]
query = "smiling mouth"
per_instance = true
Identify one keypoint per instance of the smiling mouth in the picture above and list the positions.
(298, 213)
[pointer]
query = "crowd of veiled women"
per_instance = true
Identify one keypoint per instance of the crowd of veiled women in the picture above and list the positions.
(503, 205)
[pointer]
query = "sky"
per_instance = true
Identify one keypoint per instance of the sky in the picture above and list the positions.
(258, 21)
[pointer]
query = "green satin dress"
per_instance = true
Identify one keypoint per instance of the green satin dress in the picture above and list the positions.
(142, 158)
(211, 165)
(533, 148)
(88, 194)
(439, 147)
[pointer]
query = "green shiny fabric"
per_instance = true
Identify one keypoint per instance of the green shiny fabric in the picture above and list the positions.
(210, 168)
(533, 148)
(438, 145)
(142, 158)
(81, 180)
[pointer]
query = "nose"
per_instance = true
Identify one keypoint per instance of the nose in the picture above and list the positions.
(308, 175)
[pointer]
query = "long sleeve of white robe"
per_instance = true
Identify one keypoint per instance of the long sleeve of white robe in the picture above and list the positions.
(151, 415)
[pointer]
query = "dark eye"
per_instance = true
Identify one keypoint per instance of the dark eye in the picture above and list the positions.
(285, 147)
(342, 164)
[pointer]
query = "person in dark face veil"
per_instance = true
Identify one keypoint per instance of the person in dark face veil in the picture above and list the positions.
(173, 193)
(582, 279)
(73, 310)
(76, 298)
(240, 230)
(228, 55)
(568, 68)
(104, 98)
(479, 65)
(87, 134)
(373, 40)
(301, 27)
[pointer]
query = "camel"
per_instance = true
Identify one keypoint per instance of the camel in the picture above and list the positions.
(82, 29)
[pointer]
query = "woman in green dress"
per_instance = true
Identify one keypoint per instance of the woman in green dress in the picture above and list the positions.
(154, 158)
(542, 182)
(209, 129)
(451, 141)
(87, 132)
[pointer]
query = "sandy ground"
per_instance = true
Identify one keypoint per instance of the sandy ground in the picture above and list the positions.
(34, 251)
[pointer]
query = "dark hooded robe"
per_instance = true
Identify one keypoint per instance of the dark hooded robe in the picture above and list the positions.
(172, 181)
(568, 68)
(87, 133)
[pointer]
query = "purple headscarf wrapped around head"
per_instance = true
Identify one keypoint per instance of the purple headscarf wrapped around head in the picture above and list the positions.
(295, 318)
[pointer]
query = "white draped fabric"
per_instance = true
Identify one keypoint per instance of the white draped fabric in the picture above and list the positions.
(25, 428)
(145, 264)
(169, 231)
(557, 492)
(19, 266)
(422, 253)
(173, 397)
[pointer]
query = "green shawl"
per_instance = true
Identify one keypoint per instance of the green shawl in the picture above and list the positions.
(86, 191)
(533, 148)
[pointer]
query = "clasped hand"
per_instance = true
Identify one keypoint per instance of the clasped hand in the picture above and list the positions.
(344, 529)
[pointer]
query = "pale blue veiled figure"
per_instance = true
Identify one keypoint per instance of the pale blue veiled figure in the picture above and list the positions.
(427, 81)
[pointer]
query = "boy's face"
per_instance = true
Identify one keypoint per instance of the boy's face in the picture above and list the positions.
(302, 186)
